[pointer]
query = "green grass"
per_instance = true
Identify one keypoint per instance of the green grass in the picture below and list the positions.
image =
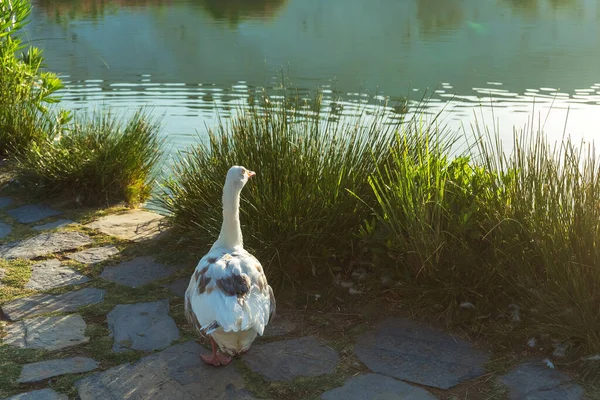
(493, 230)
(549, 226)
(431, 214)
(297, 211)
(20, 126)
(17, 274)
(100, 160)
(483, 227)
(11, 362)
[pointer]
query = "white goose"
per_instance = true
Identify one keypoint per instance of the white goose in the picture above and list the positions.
(228, 298)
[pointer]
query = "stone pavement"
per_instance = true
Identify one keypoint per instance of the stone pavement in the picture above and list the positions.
(402, 359)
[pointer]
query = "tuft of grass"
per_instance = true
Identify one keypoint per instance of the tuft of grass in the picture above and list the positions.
(65, 384)
(20, 125)
(11, 363)
(549, 226)
(298, 209)
(17, 274)
(97, 160)
(101, 344)
(500, 231)
(118, 294)
(431, 222)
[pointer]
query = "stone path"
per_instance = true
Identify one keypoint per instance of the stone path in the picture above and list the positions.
(28, 307)
(137, 272)
(44, 244)
(405, 350)
(135, 225)
(142, 326)
(59, 223)
(174, 373)
(375, 386)
(32, 213)
(5, 202)
(39, 371)
(536, 381)
(43, 394)
(402, 359)
(289, 359)
(5, 230)
(94, 255)
(50, 333)
(52, 274)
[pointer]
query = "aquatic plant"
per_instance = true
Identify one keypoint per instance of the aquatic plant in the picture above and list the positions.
(513, 235)
(299, 209)
(99, 160)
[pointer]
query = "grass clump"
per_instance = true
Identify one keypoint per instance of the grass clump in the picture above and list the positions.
(12, 360)
(511, 235)
(100, 160)
(16, 274)
(298, 208)
(431, 220)
(549, 226)
(24, 87)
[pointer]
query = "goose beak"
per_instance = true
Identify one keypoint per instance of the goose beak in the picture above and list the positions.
(250, 174)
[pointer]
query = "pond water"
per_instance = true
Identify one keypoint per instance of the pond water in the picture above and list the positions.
(508, 61)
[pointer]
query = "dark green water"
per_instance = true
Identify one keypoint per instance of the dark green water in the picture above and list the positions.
(191, 58)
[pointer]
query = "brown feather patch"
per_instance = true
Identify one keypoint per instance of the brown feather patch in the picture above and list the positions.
(235, 285)
(201, 279)
(202, 283)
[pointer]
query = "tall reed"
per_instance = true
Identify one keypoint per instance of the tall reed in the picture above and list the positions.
(99, 160)
(298, 208)
(552, 216)
(499, 232)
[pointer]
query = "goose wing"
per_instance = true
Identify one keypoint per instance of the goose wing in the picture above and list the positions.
(230, 291)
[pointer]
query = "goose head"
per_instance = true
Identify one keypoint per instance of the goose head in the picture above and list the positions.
(238, 176)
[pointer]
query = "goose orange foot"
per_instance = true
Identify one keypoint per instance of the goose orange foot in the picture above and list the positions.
(216, 358)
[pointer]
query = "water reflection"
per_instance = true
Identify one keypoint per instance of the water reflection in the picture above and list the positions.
(92, 9)
(438, 17)
(234, 11)
(533, 8)
(192, 58)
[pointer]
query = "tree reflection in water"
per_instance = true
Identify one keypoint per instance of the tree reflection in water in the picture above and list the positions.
(232, 11)
(238, 10)
(439, 16)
